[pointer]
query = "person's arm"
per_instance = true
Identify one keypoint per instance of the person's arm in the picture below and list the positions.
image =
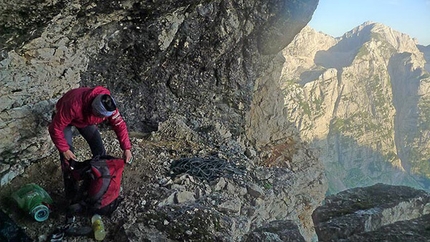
(56, 130)
(120, 128)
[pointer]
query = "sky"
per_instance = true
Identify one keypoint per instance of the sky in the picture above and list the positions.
(336, 17)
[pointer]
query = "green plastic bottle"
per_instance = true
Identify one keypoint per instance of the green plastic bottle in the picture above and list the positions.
(33, 199)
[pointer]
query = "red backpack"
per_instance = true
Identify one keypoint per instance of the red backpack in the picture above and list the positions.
(101, 176)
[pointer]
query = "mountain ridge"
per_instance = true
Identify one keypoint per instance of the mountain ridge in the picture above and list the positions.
(370, 23)
(361, 100)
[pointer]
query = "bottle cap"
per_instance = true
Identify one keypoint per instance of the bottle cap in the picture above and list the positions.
(40, 213)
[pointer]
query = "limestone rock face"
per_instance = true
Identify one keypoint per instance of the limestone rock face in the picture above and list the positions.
(195, 58)
(374, 213)
(362, 100)
(426, 51)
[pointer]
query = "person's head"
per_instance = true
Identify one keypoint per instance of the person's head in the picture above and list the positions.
(103, 105)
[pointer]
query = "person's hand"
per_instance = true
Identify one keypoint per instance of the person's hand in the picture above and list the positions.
(128, 158)
(68, 155)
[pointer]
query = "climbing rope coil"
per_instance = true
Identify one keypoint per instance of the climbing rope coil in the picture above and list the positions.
(208, 168)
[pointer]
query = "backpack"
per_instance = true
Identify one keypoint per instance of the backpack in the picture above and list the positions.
(100, 180)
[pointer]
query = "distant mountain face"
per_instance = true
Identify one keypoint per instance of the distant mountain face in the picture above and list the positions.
(363, 101)
(426, 51)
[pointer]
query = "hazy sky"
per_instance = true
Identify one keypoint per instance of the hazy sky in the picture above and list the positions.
(336, 17)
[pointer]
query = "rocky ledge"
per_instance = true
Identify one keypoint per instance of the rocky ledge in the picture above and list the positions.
(375, 213)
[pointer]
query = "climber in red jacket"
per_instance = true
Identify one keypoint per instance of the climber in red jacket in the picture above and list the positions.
(84, 108)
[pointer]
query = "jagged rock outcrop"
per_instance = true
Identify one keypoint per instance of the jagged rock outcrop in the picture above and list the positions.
(362, 100)
(204, 71)
(426, 51)
(376, 213)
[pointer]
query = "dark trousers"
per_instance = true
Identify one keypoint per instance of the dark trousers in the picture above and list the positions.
(92, 135)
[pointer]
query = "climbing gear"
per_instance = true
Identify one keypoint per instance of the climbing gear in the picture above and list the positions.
(57, 235)
(68, 229)
(205, 168)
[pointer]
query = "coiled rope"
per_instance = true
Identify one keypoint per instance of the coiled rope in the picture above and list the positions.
(205, 168)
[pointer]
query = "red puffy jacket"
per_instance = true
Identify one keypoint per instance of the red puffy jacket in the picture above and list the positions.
(74, 108)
